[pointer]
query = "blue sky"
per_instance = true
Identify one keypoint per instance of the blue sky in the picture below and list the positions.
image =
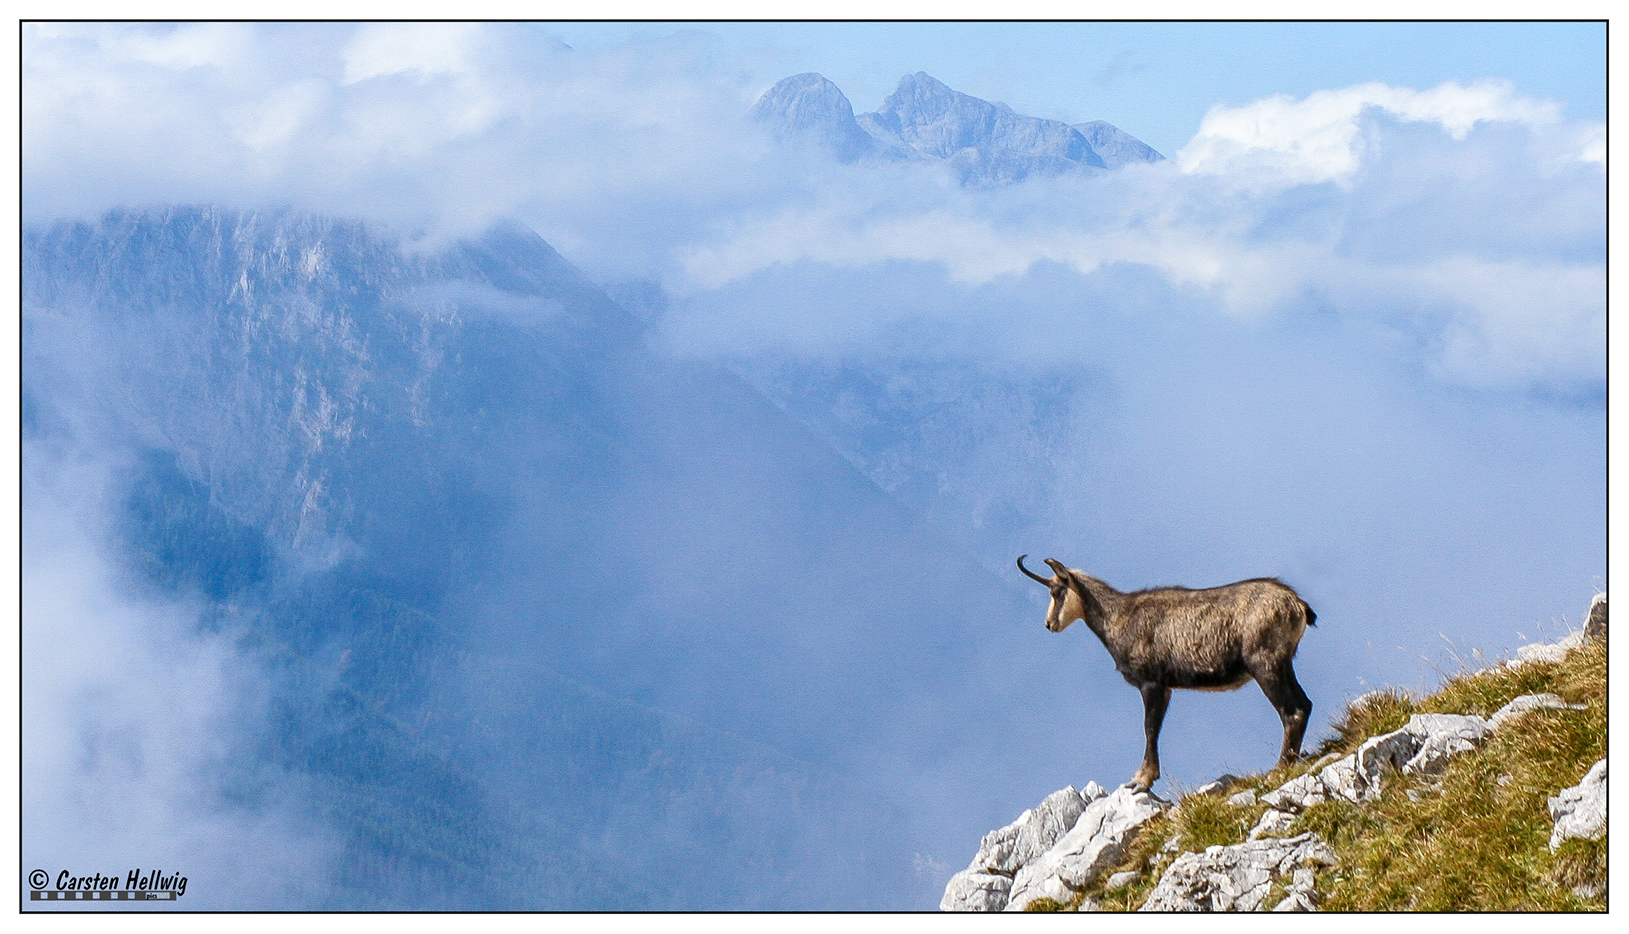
(1154, 80)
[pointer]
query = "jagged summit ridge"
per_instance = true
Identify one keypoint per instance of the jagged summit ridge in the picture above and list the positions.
(925, 120)
(932, 120)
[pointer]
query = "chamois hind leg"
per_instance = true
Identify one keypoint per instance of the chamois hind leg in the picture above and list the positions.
(1293, 706)
(1156, 697)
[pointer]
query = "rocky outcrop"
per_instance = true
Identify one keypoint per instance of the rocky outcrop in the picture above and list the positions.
(1546, 651)
(985, 883)
(1595, 621)
(1528, 702)
(975, 890)
(1221, 783)
(1051, 851)
(1033, 859)
(1594, 628)
(1579, 812)
(1242, 877)
(1096, 842)
(1422, 748)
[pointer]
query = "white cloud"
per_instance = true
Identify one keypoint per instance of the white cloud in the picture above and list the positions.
(1321, 138)
(133, 717)
(187, 45)
(1518, 321)
(428, 48)
(1592, 144)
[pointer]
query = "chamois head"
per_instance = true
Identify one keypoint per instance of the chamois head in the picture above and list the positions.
(1067, 605)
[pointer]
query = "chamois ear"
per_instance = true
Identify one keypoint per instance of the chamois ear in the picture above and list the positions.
(1058, 568)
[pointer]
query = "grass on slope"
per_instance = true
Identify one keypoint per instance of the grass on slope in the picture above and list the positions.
(1475, 839)
(1478, 839)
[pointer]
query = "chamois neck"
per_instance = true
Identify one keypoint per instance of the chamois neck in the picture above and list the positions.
(1105, 594)
(1108, 599)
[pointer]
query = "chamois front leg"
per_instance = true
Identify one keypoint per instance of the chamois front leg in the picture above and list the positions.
(1155, 699)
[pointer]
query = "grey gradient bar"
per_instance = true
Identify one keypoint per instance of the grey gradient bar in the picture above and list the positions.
(41, 895)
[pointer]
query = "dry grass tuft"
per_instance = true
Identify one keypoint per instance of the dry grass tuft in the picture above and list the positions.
(1370, 715)
(1208, 820)
(1046, 904)
(1580, 866)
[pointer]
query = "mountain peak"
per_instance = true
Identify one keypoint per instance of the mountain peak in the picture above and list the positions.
(985, 143)
(809, 107)
(988, 143)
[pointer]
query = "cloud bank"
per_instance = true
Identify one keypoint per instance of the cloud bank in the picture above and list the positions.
(1454, 209)
(137, 720)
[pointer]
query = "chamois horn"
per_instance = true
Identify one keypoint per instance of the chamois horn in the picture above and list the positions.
(1045, 580)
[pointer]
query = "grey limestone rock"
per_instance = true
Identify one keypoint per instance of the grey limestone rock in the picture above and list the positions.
(1579, 812)
(1528, 702)
(984, 885)
(1545, 651)
(1301, 896)
(1595, 622)
(1423, 747)
(1006, 850)
(1240, 877)
(971, 890)
(1273, 823)
(1222, 783)
(1297, 794)
(1297, 901)
(1122, 879)
(1094, 844)
(1442, 736)
(1243, 799)
(1357, 777)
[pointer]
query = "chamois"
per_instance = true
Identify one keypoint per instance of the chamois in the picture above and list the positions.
(1214, 639)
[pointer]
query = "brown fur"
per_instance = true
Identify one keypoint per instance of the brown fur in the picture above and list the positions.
(1215, 639)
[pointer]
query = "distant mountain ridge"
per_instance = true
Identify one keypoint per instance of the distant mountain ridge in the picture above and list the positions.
(985, 143)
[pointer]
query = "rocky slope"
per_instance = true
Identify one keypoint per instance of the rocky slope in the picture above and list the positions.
(1093, 850)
